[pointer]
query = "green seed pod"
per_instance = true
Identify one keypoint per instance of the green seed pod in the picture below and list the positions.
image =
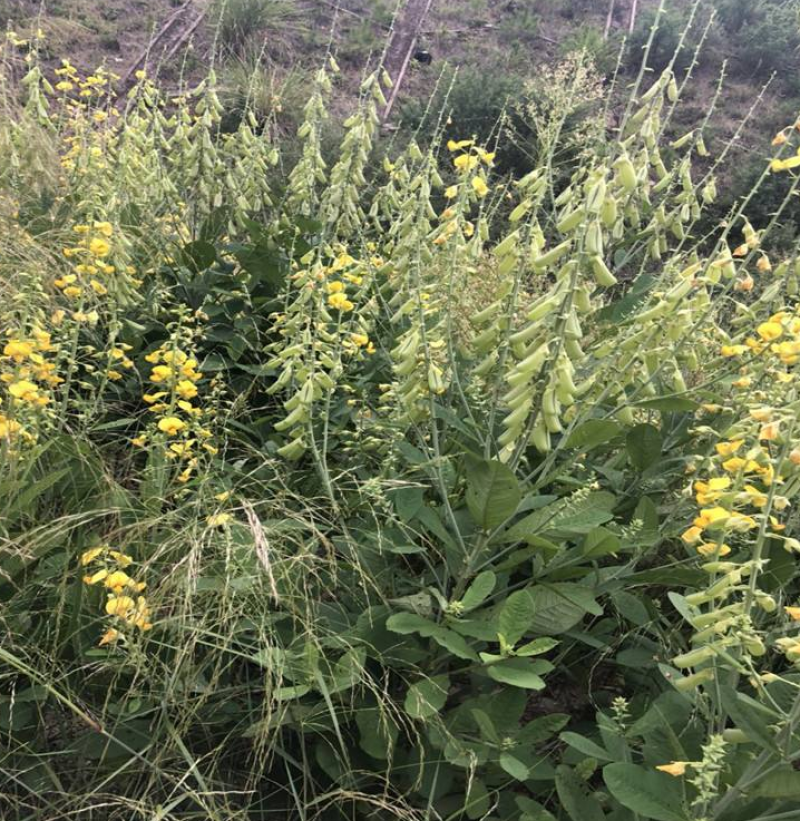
(733, 735)
(543, 307)
(602, 275)
(533, 361)
(571, 221)
(540, 438)
(626, 174)
(596, 196)
(519, 212)
(594, 239)
(688, 683)
(293, 450)
(702, 151)
(609, 213)
(517, 417)
(682, 141)
(695, 657)
(552, 256)
(507, 245)
(672, 90)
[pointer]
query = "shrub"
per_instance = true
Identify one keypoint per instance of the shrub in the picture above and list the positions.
(318, 503)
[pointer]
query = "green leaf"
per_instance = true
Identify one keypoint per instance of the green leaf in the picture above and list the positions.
(480, 588)
(425, 698)
(406, 623)
(747, 717)
(559, 607)
(572, 793)
(517, 673)
(199, 255)
(516, 616)
(600, 542)
(513, 766)
(586, 746)
(493, 493)
(592, 433)
(648, 793)
(543, 728)
(536, 647)
(669, 404)
(643, 444)
(778, 785)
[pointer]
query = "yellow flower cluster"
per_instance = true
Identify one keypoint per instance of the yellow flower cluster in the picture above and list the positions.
(88, 262)
(27, 376)
(125, 605)
(175, 375)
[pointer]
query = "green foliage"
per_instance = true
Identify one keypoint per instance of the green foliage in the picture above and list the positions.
(318, 501)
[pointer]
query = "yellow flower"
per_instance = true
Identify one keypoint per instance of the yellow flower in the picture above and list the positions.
(150, 398)
(710, 516)
(153, 357)
(26, 391)
(99, 247)
(451, 192)
(465, 162)
(110, 635)
(186, 389)
(674, 768)
(769, 331)
(88, 556)
(118, 581)
(692, 535)
(64, 85)
(96, 577)
(105, 228)
(160, 373)
(335, 287)
(218, 519)
(779, 139)
(452, 145)
(18, 349)
(122, 559)
(120, 606)
(769, 432)
(340, 302)
(733, 350)
(793, 613)
(359, 339)
(744, 382)
(486, 156)
(223, 497)
(713, 549)
(479, 186)
(763, 265)
(171, 425)
(729, 448)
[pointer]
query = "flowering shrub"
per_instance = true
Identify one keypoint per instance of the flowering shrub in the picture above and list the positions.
(444, 509)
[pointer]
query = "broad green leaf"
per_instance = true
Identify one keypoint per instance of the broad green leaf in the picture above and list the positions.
(600, 542)
(406, 623)
(536, 647)
(592, 433)
(631, 608)
(377, 732)
(586, 746)
(778, 785)
(477, 801)
(427, 697)
(517, 673)
(643, 444)
(541, 729)
(516, 615)
(649, 793)
(493, 493)
(748, 716)
(559, 607)
(669, 404)
(513, 766)
(572, 793)
(480, 588)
